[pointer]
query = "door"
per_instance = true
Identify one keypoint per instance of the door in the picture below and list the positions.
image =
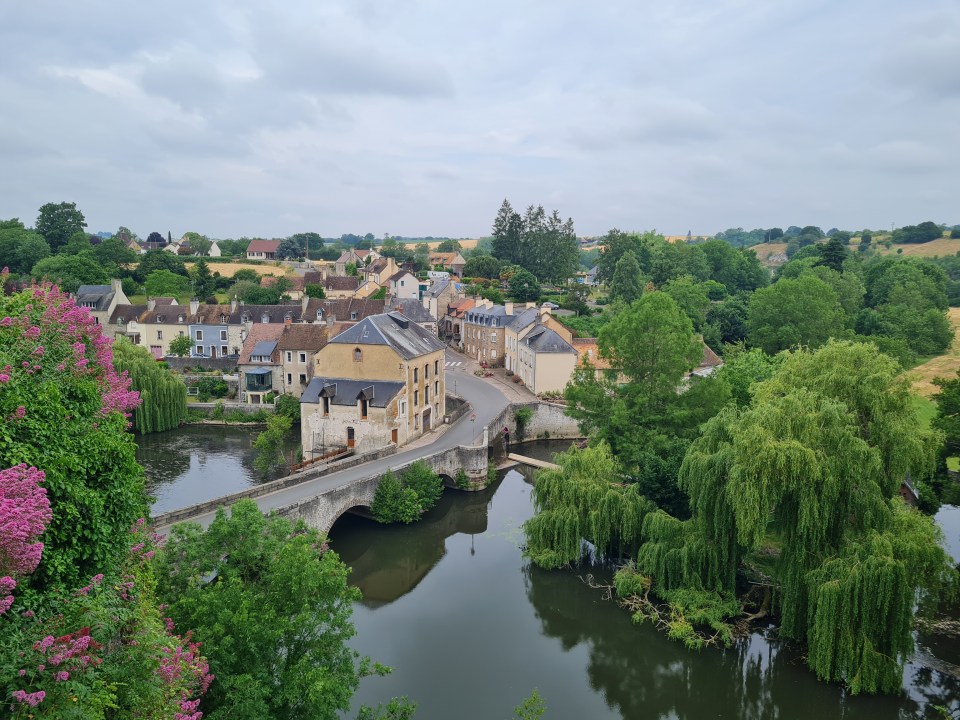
(350, 437)
(394, 436)
(426, 420)
(213, 351)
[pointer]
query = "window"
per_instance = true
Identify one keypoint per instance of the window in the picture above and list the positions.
(199, 350)
(236, 350)
(159, 334)
(353, 316)
(426, 396)
(493, 353)
(289, 356)
(436, 388)
(357, 355)
(289, 378)
(303, 378)
(180, 334)
(416, 398)
(264, 318)
(436, 367)
(326, 406)
(223, 319)
(198, 334)
(415, 377)
(223, 350)
(223, 334)
(493, 337)
(403, 408)
(179, 319)
(416, 422)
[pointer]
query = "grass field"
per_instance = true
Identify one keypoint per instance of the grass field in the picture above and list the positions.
(266, 268)
(945, 365)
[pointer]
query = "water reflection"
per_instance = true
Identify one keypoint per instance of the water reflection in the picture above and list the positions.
(387, 561)
(195, 463)
(471, 628)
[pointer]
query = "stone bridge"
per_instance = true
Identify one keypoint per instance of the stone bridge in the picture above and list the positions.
(323, 509)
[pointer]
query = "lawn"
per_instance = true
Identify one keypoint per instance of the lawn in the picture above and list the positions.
(945, 366)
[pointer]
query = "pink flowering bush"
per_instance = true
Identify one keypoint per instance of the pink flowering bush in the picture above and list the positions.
(65, 410)
(24, 514)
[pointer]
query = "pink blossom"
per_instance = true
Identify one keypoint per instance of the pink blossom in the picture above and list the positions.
(39, 350)
(32, 332)
(62, 676)
(4, 378)
(24, 515)
(31, 699)
(6, 322)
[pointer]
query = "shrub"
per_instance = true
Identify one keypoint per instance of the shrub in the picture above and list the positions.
(522, 417)
(288, 406)
(392, 502)
(428, 486)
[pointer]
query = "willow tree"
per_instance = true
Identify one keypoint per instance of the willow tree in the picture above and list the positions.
(585, 499)
(163, 394)
(816, 461)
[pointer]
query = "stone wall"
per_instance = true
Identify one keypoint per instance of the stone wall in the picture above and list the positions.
(548, 421)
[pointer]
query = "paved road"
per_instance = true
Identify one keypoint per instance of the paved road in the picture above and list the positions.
(485, 399)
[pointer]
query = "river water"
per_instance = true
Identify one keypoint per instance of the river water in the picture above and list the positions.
(195, 463)
(471, 628)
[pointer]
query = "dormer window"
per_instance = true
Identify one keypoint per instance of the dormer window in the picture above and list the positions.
(320, 314)
(223, 318)
(243, 318)
(353, 316)
(179, 318)
(265, 318)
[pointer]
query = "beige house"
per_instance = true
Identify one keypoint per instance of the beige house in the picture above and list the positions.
(484, 329)
(101, 300)
(298, 344)
(354, 257)
(437, 298)
(450, 261)
(260, 366)
(379, 271)
(340, 286)
(380, 382)
(543, 358)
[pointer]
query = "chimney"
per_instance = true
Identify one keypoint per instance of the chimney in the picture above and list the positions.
(509, 308)
(116, 285)
(151, 304)
(233, 304)
(331, 319)
(544, 311)
(194, 306)
(531, 305)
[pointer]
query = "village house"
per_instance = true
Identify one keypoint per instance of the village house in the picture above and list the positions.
(379, 271)
(353, 257)
(403, 285)
(453, 320)
(298, 344)
(340, 286)
(378, 383)
(449, 261)
(413, 310)
(484, 328)
(262, 249)
(101, 300)
(215, 331)
(438, 297)
(259, 365)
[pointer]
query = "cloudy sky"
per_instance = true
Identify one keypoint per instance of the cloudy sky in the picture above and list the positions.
(417, 117)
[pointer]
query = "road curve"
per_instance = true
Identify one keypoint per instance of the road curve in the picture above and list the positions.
(486, 402)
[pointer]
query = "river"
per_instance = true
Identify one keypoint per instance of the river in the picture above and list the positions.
(471, 628)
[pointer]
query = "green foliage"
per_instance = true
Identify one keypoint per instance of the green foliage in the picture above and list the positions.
(585, 499)
(818, 457)
(462, 480)
(691, 297)
(163, 283)
(289, 406)
(394, 502)
(428, 486)
(163, 395)
(272, 606)
(522, 417)
(545, 245)
(351, 269)
(269, 443)
(155, 260)
(181, 345)
(202, 281)
(485, 266)
(69, 272)
(379, 294)
(315, 290)
(20, 248)
(524, 287)
(627, 282)
(211, 387)
(833, 253)
(616, 244)
(57, 222)
(743, 368)
(792, 313)
(924, 232)
(532, 708)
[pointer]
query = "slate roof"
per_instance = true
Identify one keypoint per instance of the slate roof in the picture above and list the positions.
(99, 294)
(437, 289)
(495, 316)
(264, 348)
(545, 340)
(407, 339)
(412, 309)
(343, 391)
(527, 317)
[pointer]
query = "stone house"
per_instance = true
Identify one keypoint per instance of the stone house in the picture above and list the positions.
(380, 382)
(298, 344)
(484, 330)
(439, 295)
(354, 257)
(413, 310)
(543, 358)
(260, 366)
(379, 271)
(101, 300)
(453, 320)
(450, 261)
(340, 286)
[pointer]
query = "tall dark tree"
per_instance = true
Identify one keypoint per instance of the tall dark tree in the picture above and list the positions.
(289, 249)
(203, 282)
(833, 253)
(156, 238)
(57, 222)
(507, 234)
(627, 283)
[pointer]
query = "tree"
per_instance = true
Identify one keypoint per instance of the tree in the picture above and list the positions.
(70, 271)
(57, 223)
(269, 443)
(163, 283)
(64, 413)
(616, 244)
(20, 249)
(729, 318)
(394, 502)
(449, 246)
(159, 260)
(507, 234)
(181, 346)
(289, 249)
(199, 244)
(314, 290)
(292, 660)
(524, 287)
(484, 266)
(792, 313)
(691, 297)
(156, 238)
(202, 280)
(737, 270)
(924, 232)
(841, 429)
(833, 253)
(627, 283)
(114, 254)
(774, 234)
(163, 394)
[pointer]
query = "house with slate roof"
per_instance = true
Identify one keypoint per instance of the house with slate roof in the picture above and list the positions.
(101, 300)
(543, 358)
(377, 383)
(260, 366)
(415, 311)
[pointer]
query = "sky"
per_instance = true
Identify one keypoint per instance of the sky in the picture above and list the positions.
(418, 117)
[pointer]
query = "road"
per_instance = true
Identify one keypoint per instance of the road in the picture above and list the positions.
(486, 402)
